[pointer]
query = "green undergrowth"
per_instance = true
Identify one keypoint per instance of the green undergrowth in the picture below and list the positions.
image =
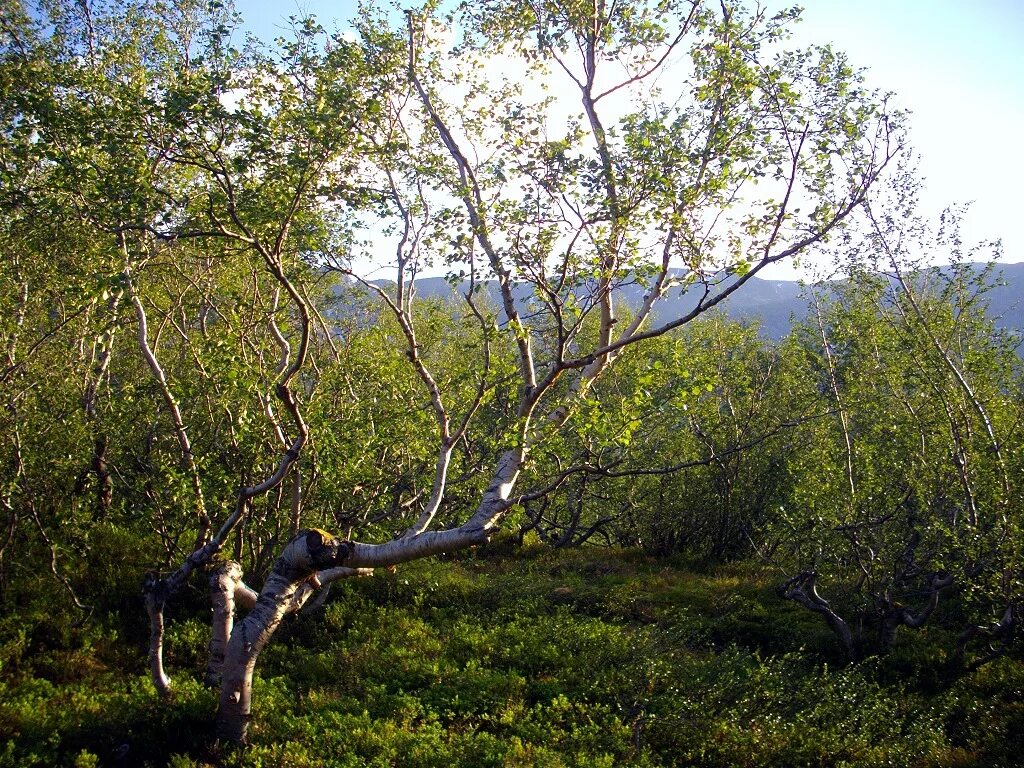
(535, 658)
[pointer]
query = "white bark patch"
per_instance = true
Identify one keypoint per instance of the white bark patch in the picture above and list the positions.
(224, 586)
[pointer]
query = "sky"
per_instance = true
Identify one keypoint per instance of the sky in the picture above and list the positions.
(957, 65)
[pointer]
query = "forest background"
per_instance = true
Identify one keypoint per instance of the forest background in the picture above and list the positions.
(657, 536)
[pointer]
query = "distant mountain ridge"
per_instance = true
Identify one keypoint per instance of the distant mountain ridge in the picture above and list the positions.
(774, 304)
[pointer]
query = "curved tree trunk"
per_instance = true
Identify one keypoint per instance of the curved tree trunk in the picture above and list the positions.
(154, 595)
(803, 589)
(283, 593)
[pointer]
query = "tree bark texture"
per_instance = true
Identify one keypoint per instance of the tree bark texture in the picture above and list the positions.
(226, 591)
(155, 596)
(308, 552)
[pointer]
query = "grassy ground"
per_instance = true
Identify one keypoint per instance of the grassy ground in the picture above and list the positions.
(538, 658)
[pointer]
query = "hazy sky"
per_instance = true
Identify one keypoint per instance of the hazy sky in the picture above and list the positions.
(957, 64)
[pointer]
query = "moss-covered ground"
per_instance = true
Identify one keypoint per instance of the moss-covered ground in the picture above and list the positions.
(533, 658)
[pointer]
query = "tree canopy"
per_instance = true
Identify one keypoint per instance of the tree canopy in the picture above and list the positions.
(202, 353)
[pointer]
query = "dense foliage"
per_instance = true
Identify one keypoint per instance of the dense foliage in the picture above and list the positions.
(196, 369)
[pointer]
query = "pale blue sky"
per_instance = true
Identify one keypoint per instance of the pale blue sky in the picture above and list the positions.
(957, 64)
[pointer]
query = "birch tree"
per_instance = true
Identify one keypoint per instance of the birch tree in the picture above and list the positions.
(703, 187)
(550, 152)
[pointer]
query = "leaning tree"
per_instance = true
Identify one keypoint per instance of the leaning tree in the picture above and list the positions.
(543, 155)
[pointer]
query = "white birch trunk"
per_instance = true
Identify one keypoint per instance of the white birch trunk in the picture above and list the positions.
(306, 553)
(225, 584)
(314, 558)
(155, 597)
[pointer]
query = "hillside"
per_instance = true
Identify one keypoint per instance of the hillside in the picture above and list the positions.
(776, 303)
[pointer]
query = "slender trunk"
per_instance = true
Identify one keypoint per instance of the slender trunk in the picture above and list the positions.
(155, 596)
(185, 444)
(1000, 636)
(224, 582)
(296, 499)
(297, 573)
(895, 616)
(892, 619)
(156, 590)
